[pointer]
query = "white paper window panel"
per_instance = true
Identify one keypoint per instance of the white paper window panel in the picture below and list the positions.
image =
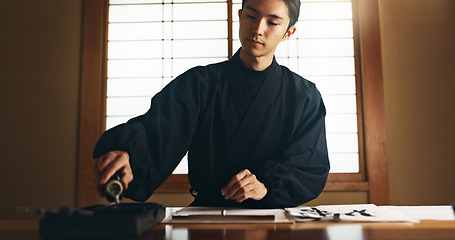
(339, 47)
(112, 121)
(182, 65)
(135, 49)
(167, 30)
(166, 12)
(341, 123)
(135, 13)
(154, 68)
(340, 103)
(334, 84)
(127, 106)
(344, 162)
(134, 68)
(135, 31)
(342, 142)
(324, 29)
(125, 87)
(199, 48)
(325, 10)
(204, 11)
(332, 66)
(167, 49)
(198, 30)
(182, 168)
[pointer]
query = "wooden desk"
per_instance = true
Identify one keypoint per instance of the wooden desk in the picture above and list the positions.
(314, 230)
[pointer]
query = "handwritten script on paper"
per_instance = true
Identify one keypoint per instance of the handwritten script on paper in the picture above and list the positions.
(350, 213)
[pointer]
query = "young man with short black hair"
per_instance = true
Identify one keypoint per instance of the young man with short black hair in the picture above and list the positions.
(254, 130)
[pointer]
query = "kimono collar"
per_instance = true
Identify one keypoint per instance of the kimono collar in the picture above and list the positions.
(237, 61)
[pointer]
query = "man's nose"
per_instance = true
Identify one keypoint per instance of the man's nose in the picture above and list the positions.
(260, 26)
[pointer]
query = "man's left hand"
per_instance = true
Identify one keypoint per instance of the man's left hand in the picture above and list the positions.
(244, 185)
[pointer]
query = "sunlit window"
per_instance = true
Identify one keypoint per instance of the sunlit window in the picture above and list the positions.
(151, 42)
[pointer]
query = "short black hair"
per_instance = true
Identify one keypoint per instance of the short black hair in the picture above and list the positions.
(293, 10)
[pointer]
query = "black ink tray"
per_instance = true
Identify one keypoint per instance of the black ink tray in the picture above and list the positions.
(124, 220)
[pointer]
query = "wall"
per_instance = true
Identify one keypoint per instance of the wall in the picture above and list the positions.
(39, 97)
(39, 94)
(418, 48)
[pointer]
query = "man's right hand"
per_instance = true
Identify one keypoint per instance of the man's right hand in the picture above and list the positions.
(107, 165)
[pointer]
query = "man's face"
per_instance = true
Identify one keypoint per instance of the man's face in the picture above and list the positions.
(263, 25)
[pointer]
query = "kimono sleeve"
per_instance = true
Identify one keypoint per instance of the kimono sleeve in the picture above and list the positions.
(300, 174)
(157, 140)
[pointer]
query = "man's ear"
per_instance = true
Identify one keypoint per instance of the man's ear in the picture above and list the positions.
(240, 13)
(289, 33)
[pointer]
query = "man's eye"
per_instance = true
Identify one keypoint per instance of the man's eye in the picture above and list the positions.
(273, 23)
(251, 17)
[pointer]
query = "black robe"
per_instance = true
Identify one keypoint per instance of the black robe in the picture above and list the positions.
(229, 118)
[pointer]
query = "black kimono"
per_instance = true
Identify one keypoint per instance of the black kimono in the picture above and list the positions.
(229, 118)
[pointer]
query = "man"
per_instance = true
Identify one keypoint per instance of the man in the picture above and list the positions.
(254, 130)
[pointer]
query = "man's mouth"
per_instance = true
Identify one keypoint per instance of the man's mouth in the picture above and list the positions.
(255, 41)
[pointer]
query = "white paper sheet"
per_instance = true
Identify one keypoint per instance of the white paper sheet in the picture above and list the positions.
(197, 215)
(442, 213)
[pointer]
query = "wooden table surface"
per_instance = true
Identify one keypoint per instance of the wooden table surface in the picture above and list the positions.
(310, 230)
(424, 230)
(352, 231)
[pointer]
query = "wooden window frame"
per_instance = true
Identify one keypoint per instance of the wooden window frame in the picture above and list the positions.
(373, 175)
